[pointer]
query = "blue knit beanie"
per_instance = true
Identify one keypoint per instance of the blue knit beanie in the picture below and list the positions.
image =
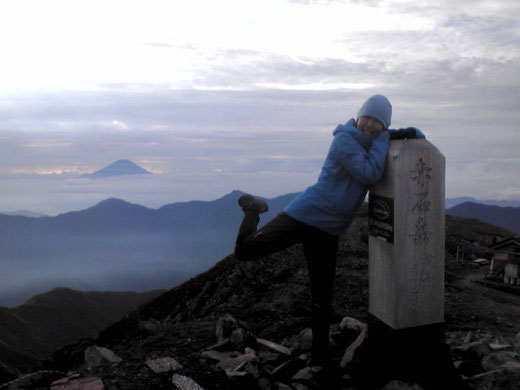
(379, 107)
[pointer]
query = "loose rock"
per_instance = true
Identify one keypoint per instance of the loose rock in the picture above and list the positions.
(499, 346)
(274, 346)
(496, 379)
(32, 380)
(304, 340)
(398, 385)
(307, 375)
(234, 364)
(282, 386)
(164, 364)
(242, 338)
(472, 351)
(225, 326)
(517, 340)
(352, 323)
(74, 383)
(218, 355)
(98, 356)
(184, 383)
(494, 360)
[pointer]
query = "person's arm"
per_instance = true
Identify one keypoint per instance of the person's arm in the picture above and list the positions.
(406, 133)
(366, 166)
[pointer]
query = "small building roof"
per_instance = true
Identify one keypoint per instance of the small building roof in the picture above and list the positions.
(509, 242)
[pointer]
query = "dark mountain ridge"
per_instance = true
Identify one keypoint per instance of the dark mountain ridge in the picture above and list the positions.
(31, 331)
(24, 213)
(117, 245)
(505, 217)
(450, 202)
(123, 246)
(271, 297)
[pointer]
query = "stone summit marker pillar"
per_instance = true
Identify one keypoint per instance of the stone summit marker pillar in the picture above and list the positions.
(406, 268)
(406, 243)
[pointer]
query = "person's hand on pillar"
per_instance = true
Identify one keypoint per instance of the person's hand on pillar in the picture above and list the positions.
(406, 133)
(418, 133)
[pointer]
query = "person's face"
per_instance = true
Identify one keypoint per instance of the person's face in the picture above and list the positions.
(369, 127)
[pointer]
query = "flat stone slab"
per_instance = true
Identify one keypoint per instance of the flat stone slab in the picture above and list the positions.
(274, 346)
(352, 323)
(219, 356)
(234, 364)
(164, 364)
(72, 383)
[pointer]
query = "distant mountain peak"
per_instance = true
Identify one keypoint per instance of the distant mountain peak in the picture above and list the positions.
(504, 217)
(24, 213)
(118, 168)
(112, 201)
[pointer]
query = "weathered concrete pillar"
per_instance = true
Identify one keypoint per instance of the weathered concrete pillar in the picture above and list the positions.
(406, 244)
(406, 271)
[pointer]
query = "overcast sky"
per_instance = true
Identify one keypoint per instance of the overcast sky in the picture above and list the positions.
(213, 96)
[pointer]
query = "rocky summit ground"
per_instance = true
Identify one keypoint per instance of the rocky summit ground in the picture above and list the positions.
(245, 326)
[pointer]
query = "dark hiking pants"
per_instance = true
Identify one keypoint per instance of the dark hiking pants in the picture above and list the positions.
(320, 250)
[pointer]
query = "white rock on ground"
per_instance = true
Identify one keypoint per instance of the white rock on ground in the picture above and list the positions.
(184, 383)
(352, 323)
(274, 346)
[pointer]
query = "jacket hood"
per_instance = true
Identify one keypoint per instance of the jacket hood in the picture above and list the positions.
(353, 131)
(347, 127)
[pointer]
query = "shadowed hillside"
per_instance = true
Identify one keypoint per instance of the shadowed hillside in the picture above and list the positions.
(30, 332)
(271, 298)
(505, 217)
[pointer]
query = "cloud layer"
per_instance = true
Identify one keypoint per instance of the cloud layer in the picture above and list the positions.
(247, 96)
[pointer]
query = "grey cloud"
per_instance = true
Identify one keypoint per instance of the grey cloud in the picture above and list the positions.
(172, 110)
(493, 25)
(207, 143)
(476, 89)
(327, 2)
(440, 9)
(262, 68)
(203, 153)
(218, 128)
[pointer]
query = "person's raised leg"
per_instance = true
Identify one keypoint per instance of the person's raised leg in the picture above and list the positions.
(279, 233)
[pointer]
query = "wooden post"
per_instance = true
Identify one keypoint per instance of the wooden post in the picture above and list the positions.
(406, 243)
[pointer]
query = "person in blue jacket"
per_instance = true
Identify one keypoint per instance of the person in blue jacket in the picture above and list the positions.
(317, 216)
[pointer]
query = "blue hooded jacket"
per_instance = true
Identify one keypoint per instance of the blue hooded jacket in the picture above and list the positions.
(353, 163)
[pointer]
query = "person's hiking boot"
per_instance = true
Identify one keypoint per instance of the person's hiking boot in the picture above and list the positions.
(250, 203)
